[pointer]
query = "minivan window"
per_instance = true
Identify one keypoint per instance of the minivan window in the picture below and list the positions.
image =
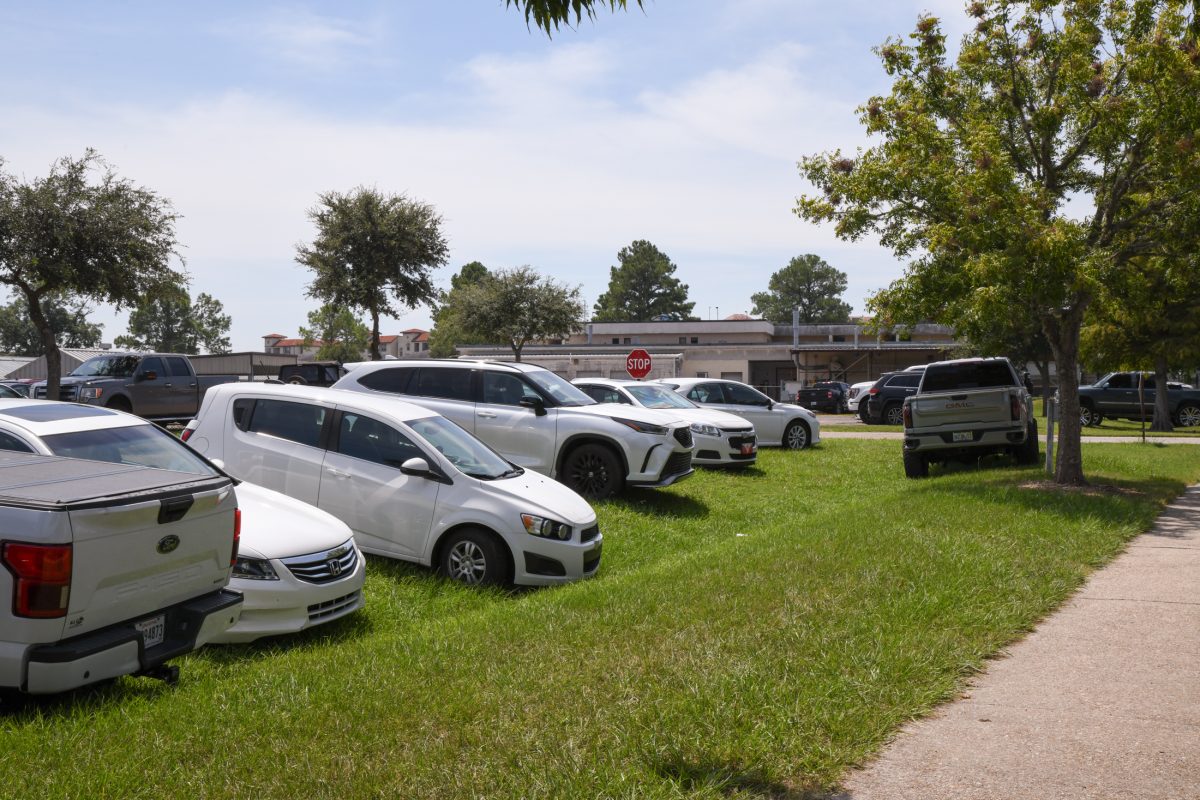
(296, 422)
(469, 455)
(388, 380)
(451, 384)
(501, 388)
(562, 391)
(372, 440)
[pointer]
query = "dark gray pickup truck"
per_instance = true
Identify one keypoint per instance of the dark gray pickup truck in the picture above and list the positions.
(158, 386)
(1116, 396)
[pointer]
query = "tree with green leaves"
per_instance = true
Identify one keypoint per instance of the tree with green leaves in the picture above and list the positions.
(643, 287)
(343, 337)
(1056, 148)
(82, 233)
(375, 253)
(67, 318)
(446, 334)
(809, 284)
(518, 306)
(550, 15)
(167, 321)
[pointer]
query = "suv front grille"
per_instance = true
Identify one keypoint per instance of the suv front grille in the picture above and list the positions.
(678, 463)
(64, 393)
(684, 436)
(325, 567)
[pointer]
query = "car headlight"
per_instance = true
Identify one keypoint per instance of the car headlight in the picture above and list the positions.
(91, 392)
(643, 427)
(255, 569)
(705, 430)
(546, 528)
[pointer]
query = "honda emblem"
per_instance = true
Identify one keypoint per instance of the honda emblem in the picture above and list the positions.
(335, 567)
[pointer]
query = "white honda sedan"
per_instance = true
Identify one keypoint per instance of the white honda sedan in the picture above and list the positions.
(777, 424)
(297, 566)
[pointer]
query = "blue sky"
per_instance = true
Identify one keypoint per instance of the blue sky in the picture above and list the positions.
(680, 124)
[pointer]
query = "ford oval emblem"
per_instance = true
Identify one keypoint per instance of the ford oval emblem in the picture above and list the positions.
(168, 543)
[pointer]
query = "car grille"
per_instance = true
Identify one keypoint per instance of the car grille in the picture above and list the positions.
(677, 463)
(736, 442)
(67, 393)
(587, 534)
(334, 607)
(684, 436)
(325, 567)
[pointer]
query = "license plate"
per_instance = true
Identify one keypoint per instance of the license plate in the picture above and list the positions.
(747, 449)
(152, 630)
(964, 436)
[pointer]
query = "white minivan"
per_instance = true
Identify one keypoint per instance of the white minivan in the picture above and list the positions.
(409, 483)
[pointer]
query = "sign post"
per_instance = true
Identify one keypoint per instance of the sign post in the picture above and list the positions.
(638, 364)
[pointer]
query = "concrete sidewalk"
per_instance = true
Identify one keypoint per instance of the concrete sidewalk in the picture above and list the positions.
(1101, 701)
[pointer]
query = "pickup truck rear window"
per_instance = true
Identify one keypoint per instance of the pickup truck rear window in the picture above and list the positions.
(975, 375)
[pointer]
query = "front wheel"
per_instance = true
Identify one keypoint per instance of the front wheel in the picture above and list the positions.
(1088, 416)
(1188, 416)
(796, 436)
(593, 471)
(475, 558)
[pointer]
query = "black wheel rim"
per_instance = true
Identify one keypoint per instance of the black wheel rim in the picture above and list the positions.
(589, 475)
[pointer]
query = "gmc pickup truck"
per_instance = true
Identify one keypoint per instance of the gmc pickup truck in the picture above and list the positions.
(109, 569)
(967, 408)
(1116, 395)
(157, 386)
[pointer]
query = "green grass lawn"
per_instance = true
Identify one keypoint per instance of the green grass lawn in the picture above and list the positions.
(749, 634)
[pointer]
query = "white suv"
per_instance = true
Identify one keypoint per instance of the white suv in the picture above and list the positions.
(539, 421)
(409, 483)
(784, 424)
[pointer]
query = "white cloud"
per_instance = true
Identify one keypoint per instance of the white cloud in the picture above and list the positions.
(300, 37)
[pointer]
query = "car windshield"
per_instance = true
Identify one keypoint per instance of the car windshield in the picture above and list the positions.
(469, 455)
(144, 445)
(658, 397)
(108, 366)
(563, 391)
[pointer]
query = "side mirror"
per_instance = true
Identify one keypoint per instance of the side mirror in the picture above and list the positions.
(417, 467)
(536, 403)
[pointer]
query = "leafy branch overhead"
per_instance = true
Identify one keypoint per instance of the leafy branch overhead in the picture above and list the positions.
(550, 15)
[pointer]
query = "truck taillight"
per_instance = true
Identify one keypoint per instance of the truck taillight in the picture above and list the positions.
(43, 578)
(1015, 406)
(907, 415)
(237, 535)
(873, 390)
(187, 434)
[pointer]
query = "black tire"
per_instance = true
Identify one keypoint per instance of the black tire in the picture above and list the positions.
(474, 557)
(593, 471)
(1028, 453)
(915, 465)
(298, 380)
(1187, 415)
(862, 412)
(796, 436)
(1088, 416)
(120, 404)
(893, 414)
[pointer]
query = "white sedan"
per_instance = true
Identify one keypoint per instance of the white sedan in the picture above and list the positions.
(297, 566)
(777, 424)
(722, 440)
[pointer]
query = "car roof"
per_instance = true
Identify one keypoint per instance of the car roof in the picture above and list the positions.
(381, 403)
(448, 363)
(47, 417)
(615, 381)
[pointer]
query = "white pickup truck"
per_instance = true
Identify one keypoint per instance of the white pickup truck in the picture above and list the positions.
(109, 569)
(965, 409)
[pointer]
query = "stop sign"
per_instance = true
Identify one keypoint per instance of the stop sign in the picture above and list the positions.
(637, 364)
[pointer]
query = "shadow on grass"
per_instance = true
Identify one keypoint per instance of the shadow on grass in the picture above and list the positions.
(649, 501)
(728, 779)
(338, 631)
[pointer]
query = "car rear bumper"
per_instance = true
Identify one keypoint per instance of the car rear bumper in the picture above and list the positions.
(981, 439)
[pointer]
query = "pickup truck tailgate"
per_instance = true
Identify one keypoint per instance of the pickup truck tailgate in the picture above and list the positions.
(142, 538)
(974, 406)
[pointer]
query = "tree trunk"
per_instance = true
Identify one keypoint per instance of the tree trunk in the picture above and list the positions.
(1162, 403)
(49, 346)
(375, 356)
(1063, 334)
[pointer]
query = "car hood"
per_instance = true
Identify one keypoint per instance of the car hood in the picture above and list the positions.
(534, 493)
(277, 526)
(722, 419)
(651, 416)
(791, 408)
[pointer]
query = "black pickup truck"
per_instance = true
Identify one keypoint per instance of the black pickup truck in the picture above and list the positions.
(1116, 396)
(159, 386)
(825, 396)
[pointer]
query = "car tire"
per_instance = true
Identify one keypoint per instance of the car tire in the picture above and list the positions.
(862, 413)
(893, 414)
(120, 404)
(1088, 416)
(475, 558)
(592, 470)
(1188, 415)
(298, 380)
(1027, 453)
(915, 465)
(796, 436)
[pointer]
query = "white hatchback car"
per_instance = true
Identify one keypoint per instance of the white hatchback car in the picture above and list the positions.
(777, 424)
(410, 483)
(722, 440)
(297, 566)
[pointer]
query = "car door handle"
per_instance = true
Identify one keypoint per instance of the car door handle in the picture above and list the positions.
(166, 386)
(485, 414)
(337, 473)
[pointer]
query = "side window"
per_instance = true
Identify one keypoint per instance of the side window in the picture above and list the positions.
(744, 395)
(388, 380)
(153, 364)
(374, 441)
(241, 412)
(603, 394)
(1121, 380)
(296, 422)
(501, 388)
(906, 380)
(10, 442)
(178, 367)
(706, 393)
(451, 384)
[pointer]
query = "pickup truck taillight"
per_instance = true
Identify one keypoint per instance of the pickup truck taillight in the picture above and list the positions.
(42, 575)
(1015, 406)
(237, 535)
(907, 415)
(187, 434)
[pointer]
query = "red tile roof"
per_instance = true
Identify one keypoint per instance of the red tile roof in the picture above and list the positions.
(424, 337)
(272, 336)
(414, 330)
(388, 338)
(296, 343)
